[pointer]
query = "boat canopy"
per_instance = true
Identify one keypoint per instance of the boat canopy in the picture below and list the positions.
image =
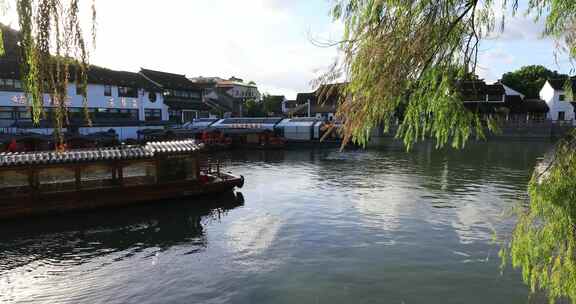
(256, 124)
(299, 122)
(200, 123)
(148, 151)
(300, 129)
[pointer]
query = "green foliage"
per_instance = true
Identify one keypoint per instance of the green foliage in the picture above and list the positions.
(393, 49)
(528, 80)
(3, 5)
(272, 104)
(269, 104)
(544, 241)
(408, 56)
(431, 111)
(53, 49)
(252, 108)
(1, 43)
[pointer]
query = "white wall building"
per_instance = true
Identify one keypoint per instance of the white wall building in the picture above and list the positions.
(122, 101)
(230, 95)
(560, 105)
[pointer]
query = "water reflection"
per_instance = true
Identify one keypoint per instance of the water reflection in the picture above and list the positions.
(318, 226)
(42, 248)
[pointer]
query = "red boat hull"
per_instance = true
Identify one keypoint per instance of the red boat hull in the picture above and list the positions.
(30, 204)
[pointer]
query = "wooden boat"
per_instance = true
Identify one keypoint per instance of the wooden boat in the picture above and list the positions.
(254, 139)
(49, 182)
(213, 139)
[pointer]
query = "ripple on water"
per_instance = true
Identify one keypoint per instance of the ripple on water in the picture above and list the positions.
(379, 226)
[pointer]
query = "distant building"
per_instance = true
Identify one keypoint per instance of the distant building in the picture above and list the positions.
(322, 103)
(499, 99)
(183, 97)
(477, 96)
(561, 106)
(288, 106)
(118, 100)
(227, 95)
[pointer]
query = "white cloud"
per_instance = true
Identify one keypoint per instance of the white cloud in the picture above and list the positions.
(492, 61)
(261, 40)
(267, 41)
(519, 27)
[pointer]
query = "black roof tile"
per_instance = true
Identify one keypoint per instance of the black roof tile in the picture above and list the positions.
(149, 150)
(559, 83)
(170, 80)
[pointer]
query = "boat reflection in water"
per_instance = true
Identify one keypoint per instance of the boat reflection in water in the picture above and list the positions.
(79, 238)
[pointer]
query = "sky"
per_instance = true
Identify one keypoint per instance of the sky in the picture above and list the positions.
(266, 41)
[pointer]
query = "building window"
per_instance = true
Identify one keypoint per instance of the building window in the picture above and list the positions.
(129, 114)
(183, 94)
(115, 115)
(175, 116)
(127, 92)
(10, 85)
(107, 90)
(6, 113)
(24, 113)
(152, 97)
(152, 114)
(562, 97)
(561, 115)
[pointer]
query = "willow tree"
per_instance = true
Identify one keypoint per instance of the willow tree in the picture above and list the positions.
(53, 51)
(410, 55)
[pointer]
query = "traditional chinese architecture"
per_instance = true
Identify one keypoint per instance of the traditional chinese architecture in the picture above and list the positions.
(182, 97)
(558, 100)
(117, 100)
(52, 182)
(228, 96)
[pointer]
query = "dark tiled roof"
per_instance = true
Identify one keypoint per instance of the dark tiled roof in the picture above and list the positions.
(99, 75)
(530, 106)
(177, 104)
(323, 100)
(482, 107)
(478, 89)
(169, 80)
(558, 84)
(303, 98)
(10, 69)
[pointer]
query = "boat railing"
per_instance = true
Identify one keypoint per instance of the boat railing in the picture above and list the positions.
(211, 167)
(215, 168)
(86, 169)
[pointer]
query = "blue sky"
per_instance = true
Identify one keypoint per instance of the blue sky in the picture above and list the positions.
(267, 41)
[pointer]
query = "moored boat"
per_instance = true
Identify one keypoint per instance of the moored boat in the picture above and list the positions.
(49, 182)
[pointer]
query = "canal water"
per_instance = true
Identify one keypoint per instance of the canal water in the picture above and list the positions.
(310, 226)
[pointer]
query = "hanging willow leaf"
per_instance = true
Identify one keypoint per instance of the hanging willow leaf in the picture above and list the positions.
(409, 55)
(54, 52)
